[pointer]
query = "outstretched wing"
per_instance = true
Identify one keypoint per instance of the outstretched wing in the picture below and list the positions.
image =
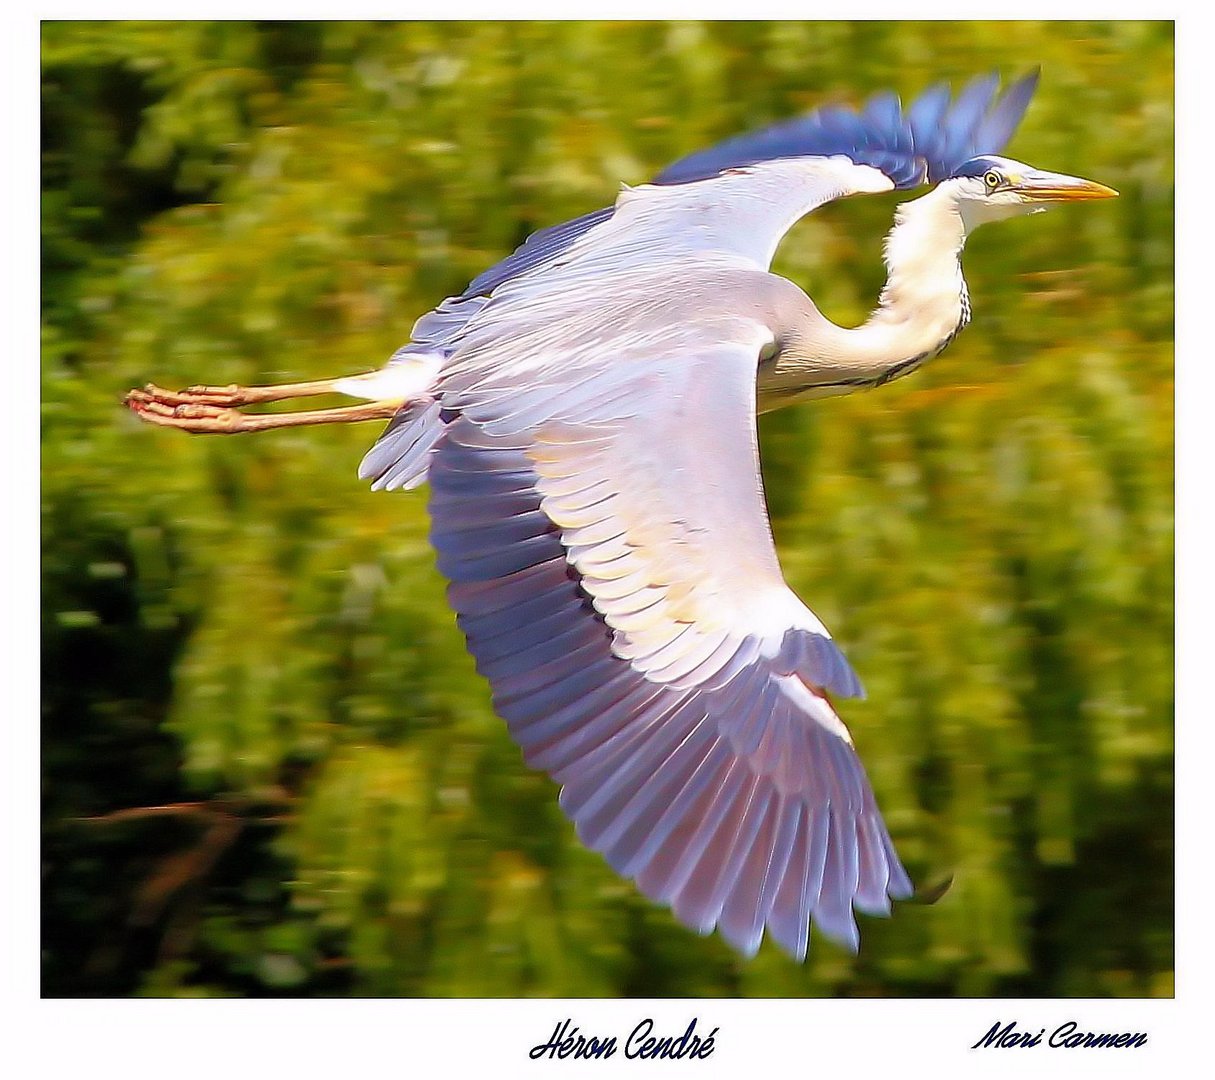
(923, 144)
(614, 573)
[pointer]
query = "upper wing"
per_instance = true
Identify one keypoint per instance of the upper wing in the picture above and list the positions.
(615, 576)
(925, 143)
(739, 216)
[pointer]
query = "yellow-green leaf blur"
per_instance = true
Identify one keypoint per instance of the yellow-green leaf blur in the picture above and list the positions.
(269, 765)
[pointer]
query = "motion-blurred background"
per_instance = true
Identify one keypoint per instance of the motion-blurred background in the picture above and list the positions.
(269, 767)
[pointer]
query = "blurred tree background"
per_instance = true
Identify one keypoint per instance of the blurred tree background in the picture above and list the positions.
(269, 766)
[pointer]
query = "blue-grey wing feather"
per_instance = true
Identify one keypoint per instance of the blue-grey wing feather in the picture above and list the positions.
(927, 143)
(997, 127)
(963, 119)
(535, 250)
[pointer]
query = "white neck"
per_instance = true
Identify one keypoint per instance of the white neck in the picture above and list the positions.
(923, 304)
(924, 292)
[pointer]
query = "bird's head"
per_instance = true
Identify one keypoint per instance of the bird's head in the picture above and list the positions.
(990, 188)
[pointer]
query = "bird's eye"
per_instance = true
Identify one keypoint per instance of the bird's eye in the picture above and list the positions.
(992, 179)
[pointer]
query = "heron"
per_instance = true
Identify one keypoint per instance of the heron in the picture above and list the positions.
(585, 413)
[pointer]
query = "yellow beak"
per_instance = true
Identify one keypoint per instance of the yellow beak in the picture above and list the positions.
(1056, 187)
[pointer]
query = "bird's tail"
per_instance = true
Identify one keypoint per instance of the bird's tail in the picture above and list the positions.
(400, 458)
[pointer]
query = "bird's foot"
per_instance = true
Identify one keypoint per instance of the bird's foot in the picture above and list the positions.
(227, 397)
(190, 416)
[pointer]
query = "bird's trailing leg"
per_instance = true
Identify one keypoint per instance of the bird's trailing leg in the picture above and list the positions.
(214, 410)
(232, 396)
(213, 420)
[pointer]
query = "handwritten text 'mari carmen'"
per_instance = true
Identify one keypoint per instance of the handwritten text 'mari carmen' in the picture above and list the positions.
(568, 1042)
(1065, 1037)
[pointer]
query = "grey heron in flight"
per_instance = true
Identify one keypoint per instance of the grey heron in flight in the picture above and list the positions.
(585, 414)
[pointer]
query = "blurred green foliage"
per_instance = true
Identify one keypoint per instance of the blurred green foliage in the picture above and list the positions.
(237, 632)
